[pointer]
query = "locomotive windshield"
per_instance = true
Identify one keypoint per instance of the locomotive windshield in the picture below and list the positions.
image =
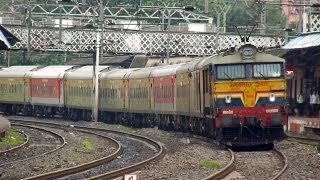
(248, 71)
(231, 71)
(266, 70)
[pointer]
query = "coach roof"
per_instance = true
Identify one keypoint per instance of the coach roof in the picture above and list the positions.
(141, 73)
(17, 71)
(85, 72)
(165, 70)
(116, 73)
(236, 58)
(51, 72)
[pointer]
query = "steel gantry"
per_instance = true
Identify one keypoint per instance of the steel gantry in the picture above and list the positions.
(86, 13)
(38, 31)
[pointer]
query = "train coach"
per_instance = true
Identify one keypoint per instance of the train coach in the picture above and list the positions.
(46, 91)
(15, 89)
(78, 92)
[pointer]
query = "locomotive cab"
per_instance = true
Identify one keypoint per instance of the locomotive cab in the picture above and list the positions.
(249, 97)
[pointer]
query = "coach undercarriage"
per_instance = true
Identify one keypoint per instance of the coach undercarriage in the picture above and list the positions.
(167, 122)
(235, 136)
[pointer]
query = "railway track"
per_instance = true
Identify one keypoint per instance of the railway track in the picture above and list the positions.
(263, 164)
(225, 170)
(20, 156)
(230, 171)
(87, 169)
(304, 140)
(13, 149)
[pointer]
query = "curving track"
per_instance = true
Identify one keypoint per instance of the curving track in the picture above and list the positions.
(133, 158)
(263, 164)
(13, 149)
(43, 146)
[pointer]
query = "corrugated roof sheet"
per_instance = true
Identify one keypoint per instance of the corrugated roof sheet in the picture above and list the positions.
(304, 41)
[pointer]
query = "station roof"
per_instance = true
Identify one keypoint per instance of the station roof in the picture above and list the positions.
(302, 51)
(305, 40)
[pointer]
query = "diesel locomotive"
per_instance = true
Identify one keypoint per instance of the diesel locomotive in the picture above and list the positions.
(237, 97)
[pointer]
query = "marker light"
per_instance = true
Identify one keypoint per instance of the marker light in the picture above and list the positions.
(228, 99)
(272, 97)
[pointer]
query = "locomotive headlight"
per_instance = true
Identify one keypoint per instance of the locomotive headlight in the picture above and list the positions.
(228, 99)
(272, 97)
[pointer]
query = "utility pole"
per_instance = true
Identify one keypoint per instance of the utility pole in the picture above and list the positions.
(206, 6)
(29, 32)
(263, 19)
(96, 64)
(168, 36)
(300, 18)
(60, 23)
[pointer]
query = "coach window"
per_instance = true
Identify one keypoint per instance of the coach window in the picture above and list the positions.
(138, 92)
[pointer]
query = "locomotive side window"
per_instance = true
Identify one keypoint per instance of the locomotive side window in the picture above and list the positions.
(229, 72)
(267, 70)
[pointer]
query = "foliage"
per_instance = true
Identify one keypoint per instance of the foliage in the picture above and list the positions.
(87, 145)
(209, 164)
(36, 58)
(12, 138)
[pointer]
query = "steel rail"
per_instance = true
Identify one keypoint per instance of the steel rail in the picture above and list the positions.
(115, 173)
(224, 171)
(285, 162)
(43, 154)
(303, 140)
(128, 169)
(84, 166)
(13, 149)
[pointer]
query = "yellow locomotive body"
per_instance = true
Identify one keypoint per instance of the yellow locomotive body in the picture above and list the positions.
(249, 97)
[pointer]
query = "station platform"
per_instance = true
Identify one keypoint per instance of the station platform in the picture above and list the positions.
(303, 124)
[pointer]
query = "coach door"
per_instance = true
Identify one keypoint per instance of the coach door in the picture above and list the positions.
(206, 90)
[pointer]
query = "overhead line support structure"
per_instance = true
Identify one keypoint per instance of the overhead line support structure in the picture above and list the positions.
(87, 12)
(96, 64)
